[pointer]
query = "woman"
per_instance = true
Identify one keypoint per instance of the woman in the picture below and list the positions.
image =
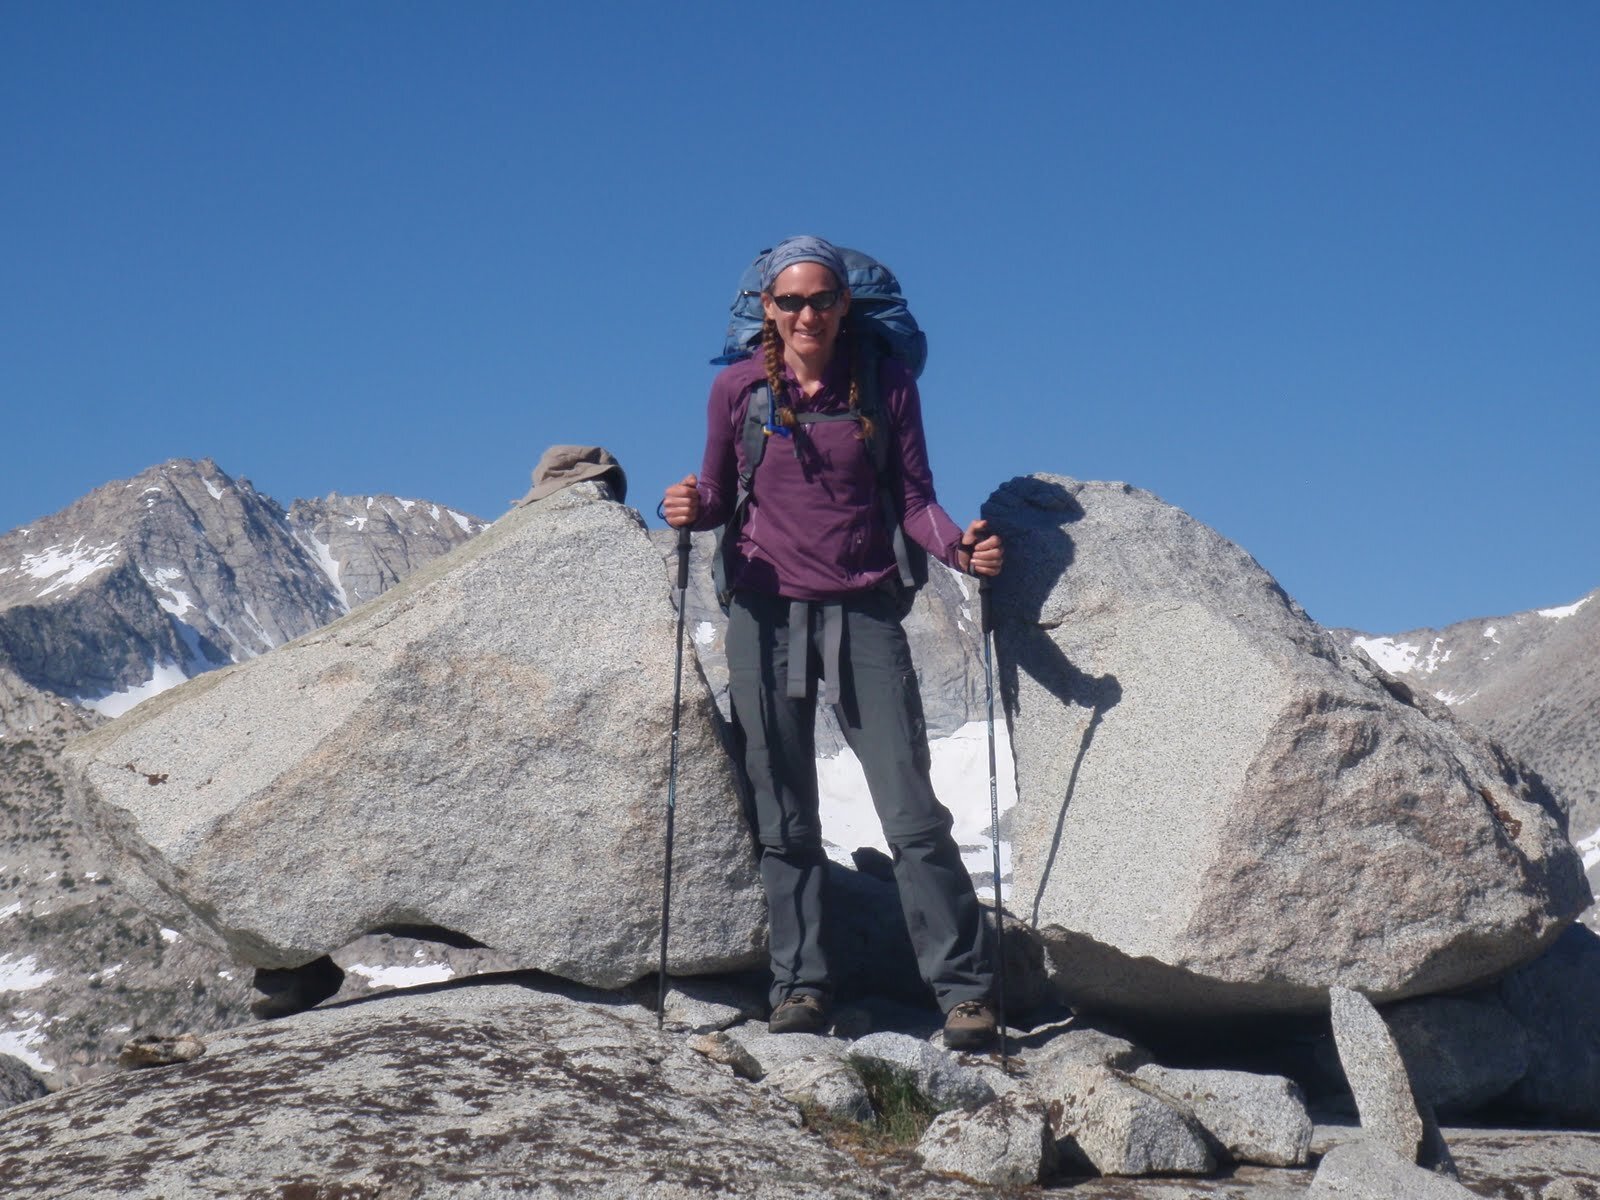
(814, 583)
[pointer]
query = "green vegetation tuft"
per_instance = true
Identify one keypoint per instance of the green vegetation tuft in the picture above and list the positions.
(901, 1114)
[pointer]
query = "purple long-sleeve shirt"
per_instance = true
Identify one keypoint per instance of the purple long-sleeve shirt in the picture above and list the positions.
(815, 528)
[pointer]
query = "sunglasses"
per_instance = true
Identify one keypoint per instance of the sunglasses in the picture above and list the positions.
(819, 301)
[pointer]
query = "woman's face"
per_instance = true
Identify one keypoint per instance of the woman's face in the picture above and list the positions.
(808, 333)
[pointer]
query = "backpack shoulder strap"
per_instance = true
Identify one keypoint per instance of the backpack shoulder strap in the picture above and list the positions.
(910, 559)
(870, 398)
(752, 434)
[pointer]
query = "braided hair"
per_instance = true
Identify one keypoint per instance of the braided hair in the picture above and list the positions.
(783, 411)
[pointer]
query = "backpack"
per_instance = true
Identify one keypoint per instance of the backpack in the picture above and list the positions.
(876, 307)
(880, 324)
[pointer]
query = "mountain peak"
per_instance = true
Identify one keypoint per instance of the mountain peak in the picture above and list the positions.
(147, 581)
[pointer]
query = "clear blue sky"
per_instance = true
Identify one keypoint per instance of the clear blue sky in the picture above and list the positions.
(1325, 275)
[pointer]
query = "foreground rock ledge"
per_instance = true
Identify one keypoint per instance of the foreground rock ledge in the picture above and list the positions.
(433, 1093)
(1223, 809)
(484, 748)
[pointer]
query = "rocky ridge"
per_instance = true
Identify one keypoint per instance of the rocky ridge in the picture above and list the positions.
(182, 569)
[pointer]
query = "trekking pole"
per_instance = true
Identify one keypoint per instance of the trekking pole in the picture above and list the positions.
(672, 773)
(986, 618)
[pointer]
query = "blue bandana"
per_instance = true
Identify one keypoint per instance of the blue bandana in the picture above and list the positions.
(798, 250)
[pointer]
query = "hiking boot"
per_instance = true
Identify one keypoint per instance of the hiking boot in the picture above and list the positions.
(969, 1026)
(800, 1013)
(294, 989)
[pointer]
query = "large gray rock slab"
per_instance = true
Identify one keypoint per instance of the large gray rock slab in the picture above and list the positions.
(1462, 1052)
(1223, 808)
(484, 748)
(1368, 1170)
(1004, 1144)
(1254, 1118)
(469, 1090)
(1554, 1000)
(1104, 1119)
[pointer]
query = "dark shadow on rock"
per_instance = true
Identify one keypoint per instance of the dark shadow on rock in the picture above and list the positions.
(868, 947)
(532, 980)
(431, 933)
(1032, 515)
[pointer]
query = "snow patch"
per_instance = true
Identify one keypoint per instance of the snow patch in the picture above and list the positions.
(1401, 658)
(255, 621)
(357, 523)
(1489, 632)
(113, 704)
(216, 492)
(399, 977)
(22, 974)
(408, 505)
(459, 519)
(10, 910)
(173, 600)
(704, 634)
(1589, 847)
(1454, 698)
(1566, 610)
(19, 1044)
(322, 553)
(170, 935)
(72, 565)
(961, 781)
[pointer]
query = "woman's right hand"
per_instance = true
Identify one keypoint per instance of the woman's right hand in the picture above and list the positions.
(681, 504)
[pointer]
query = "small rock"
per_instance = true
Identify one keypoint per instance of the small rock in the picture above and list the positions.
(773, 1050)
(1368, 1170)
(945, 1083)
(720, 1048)
(825, 1083)
(1255, 1118)
(1006, 1143)
(1083, 1046)
(1119, 1128)
(140, 1053)
(707, 1005)
(1376, 1074)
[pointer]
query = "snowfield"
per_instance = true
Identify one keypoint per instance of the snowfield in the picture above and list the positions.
(961, 780)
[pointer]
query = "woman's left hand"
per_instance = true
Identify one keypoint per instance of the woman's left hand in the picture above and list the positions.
(982, 552)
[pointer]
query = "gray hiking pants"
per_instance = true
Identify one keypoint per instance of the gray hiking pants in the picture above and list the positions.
(880, 711)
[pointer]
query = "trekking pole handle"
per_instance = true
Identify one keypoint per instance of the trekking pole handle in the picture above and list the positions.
(985, 610)
(683, 557)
